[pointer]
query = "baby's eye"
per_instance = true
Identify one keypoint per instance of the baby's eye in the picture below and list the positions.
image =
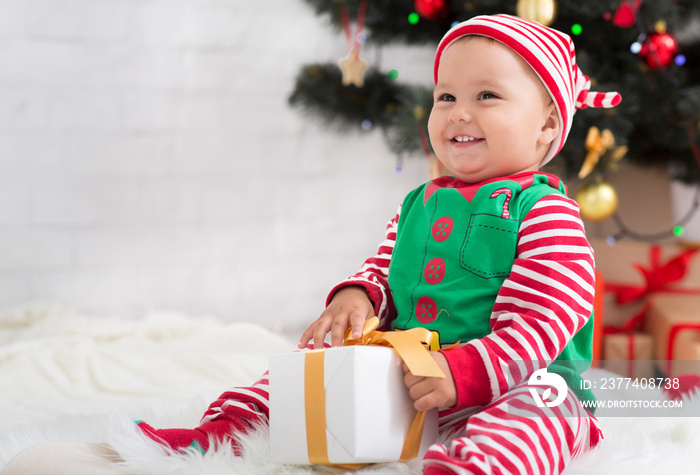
(486, 95)
(445, 98)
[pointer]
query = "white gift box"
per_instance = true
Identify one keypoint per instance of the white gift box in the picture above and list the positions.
(367, 406)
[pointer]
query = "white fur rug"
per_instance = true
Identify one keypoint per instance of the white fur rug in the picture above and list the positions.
(67, 377)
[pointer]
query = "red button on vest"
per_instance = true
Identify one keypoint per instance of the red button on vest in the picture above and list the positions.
(426, 310)
(442, 228)
(434, 271)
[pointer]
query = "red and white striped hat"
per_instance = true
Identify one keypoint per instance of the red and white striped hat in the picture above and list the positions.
(550, 53)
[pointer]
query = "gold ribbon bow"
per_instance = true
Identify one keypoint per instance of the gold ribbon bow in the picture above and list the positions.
(411, 346)
(598, 144)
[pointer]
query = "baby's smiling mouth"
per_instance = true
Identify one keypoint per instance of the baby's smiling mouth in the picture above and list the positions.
(466, 139)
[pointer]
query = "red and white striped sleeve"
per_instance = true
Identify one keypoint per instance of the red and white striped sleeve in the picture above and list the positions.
(547, 298)
(373, 276)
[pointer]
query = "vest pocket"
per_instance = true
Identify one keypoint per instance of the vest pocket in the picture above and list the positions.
(489, 246)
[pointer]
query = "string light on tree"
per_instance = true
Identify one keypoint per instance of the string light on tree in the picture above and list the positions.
(636, 47)
(676, 231)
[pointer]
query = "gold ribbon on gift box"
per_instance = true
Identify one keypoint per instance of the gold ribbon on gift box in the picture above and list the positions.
(411, 346)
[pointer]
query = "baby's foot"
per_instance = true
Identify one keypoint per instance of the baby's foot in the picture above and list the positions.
(177, 439)
(222, 430)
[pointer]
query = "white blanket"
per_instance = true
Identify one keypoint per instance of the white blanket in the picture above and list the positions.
(67, 377)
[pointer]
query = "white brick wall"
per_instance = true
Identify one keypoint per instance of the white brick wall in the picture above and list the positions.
(149, 161)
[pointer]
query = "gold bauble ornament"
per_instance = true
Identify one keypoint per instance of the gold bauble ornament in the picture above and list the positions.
(541, 11)
(598, 200)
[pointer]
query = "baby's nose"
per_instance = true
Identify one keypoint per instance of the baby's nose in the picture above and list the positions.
(460, 112)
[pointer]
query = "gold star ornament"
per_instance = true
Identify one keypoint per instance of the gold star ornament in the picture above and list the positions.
(353, 69)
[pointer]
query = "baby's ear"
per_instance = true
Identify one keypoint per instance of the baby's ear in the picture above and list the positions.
(551, 126)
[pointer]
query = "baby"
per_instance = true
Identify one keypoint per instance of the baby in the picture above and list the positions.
(493, 257)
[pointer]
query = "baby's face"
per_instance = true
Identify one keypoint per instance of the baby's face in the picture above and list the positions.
(492, 116)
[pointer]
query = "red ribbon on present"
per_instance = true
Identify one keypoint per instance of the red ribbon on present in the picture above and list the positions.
(657, 278)
(672, 334)
(612, 330)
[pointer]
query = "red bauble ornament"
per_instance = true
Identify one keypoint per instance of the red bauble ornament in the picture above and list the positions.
(626, 14)
(659, 50)
(432, 9)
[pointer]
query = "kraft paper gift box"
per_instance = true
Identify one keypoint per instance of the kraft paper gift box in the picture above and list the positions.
(629, 354)
(674, 320)
(367, 407)
(622, 265)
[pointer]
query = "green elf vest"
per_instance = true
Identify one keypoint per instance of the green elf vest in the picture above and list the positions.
(455, 245)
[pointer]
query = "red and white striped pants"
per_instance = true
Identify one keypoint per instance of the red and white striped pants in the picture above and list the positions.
(512, 435)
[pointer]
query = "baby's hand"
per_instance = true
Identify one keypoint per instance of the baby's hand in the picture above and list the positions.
(349, 308)
(428, 393)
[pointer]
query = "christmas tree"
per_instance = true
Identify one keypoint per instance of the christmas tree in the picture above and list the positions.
(648, 50)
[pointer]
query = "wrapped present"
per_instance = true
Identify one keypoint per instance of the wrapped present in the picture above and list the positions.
(635, 271)
(349, 405)
(674, 320)
(629, 354)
